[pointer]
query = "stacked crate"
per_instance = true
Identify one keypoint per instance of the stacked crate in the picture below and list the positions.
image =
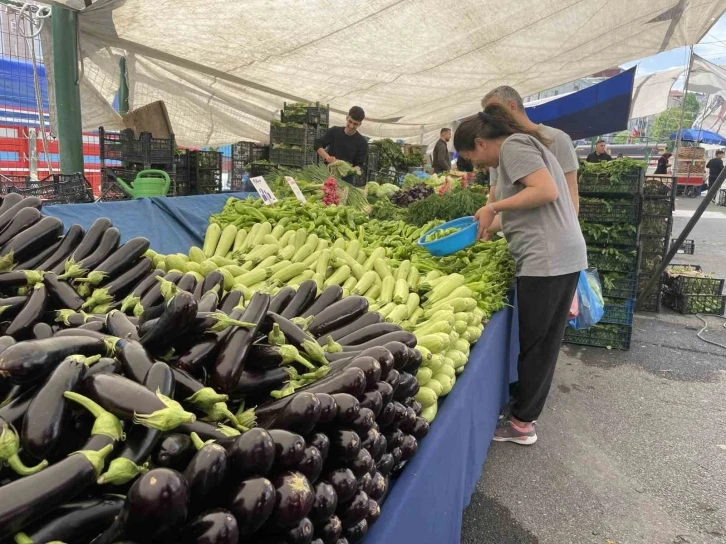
(655, 235)
(292, 139)
(610, 212)
(246, 156)
(689, 291)
(691, 161)
(198, 173)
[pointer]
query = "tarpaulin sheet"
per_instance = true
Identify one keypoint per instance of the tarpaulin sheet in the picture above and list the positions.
(426, 502)
(601, 109)
(705, 136)
(173, 225)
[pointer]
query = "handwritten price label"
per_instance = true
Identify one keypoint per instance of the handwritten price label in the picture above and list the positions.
(263, 190)
(296, 189)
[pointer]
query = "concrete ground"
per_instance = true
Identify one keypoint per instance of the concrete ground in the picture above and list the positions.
(632, 445)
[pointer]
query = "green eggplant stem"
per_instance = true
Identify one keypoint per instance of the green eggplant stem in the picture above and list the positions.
(121, 471)
(9, 447)
(167, 418)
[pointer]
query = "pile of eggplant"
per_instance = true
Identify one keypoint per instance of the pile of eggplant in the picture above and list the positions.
(138, 405)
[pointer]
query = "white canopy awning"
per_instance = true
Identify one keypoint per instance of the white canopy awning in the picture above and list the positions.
(225, 67)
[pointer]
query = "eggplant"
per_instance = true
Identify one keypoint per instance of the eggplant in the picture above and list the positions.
(105, 365)
(356, 533)
(368, 333)
(68, 245)
(31, 360)
(208, 302)
(380, 445)
(298, 413)
(149, 281)
(230, 301)
(328, 408)
(120, 285)
(46, 250)
(297, 337)
(374, 512)
(10, 282)
(212, 527)
(22, 325)
(348, 408)
(9, 200)
(252, 454)
(370, 367)
(193, 392)
(118, 261)
(13, 411)
(387, 415)
(200, 354)
(344, 482)
(407, 387)
(386, 391)
(401, 354)
(394, 379)
(119, 325)
(30, 242)
(266, 356)
(394, 438)
(420, 429)
(373, 401)
(6, 342)
(153, 296)
(364, 421)
(303, 298)
(223, 434)
(362, 464)
(130, 400)
(156, 506)
(338, 314)
(325, 502)
(408, 422)
(44, 419)
(214, 281)
(32, 497)
(320, 442)
(280, 301)
(302, 533)
(187, 283)
(231, 360)
(289, 448)
(61, 293)
(42, 330)
(293, 498)
(206, 473)
(92, 239)
(330, 296)
(175, 320)
(77, 521)
(253, 504)
(311, 465)
(10, 306)
(257, 384)
(409, 447)
(405, 337)
(365, 320)
(401, 414)
(349, 380)
(415, 360)
(24, 219)
(136, 362)
(330, 531)
(353, 511)
(385, 464)
(95, 326)
(344, 445)
(173, 451)
(9, 214)
(106, 245)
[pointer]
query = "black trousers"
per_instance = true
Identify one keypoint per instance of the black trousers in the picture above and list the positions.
(544, 304)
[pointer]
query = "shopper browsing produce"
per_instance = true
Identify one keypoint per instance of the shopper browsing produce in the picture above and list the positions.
(540, 223)
(560, 146)
(345, 143)
(441, 160)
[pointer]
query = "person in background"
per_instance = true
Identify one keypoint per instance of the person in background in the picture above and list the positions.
(544, 237)
(620, 156)
(560, 144)
(441, 160)
(600, 154)
(663, 165)
(714, 167)
(345, 144)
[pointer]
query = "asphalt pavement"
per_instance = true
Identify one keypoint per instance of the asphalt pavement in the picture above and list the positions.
(632, 445)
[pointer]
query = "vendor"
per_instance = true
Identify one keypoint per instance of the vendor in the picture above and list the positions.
(714, 167)
(346, 144)
(544, 236)
(663, 165)
(600, 154)
(441, 160)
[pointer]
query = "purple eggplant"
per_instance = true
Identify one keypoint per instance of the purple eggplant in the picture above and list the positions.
(409, 447)
(173, 451)
(405, 337)
(344, 445)
(258, 384)
(394, 379)
(30, 242)
(325, 502)
(348, 408)
(206, 473)
(210, 431)
(76, 266)
(188, 283)
(119, 325)
(118, 262)
(10, 282)
(330, 296)
(338, 314)
(353, 511)
(373, 401)
(387, 416)
(349, 380)
(321, 442)
(61, 293)
(344, 482)
(298, 413)
(10, 201)
(385, 464)
(213, 282)
(92, 239)
(230, 301)
(289, 448)
(364, 422)
(105, 365)
(281, 299)
(133, 298)
(22, 326)
(212, 527)
(16, 404)
(9, 307)
(208, 302)
(293, 498)
(408, 421)
(24, 219)
(303, 298)
(380, 486)
(72, 240)
(48, 247)
(200, 354)
(297, 337)
(177, 317)
(328, 408)
(364, 321)
(330, 531)
(407, 387)
(42, 330)
(362, 463)
(253, 504)
(368, 333)
(356, 533)
(120, 285)
(374, 512)
(252, 454)
(420, 429)
(134, 358)
(311, 465)
(386, 391)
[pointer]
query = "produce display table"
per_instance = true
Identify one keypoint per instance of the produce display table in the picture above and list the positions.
(427, 500)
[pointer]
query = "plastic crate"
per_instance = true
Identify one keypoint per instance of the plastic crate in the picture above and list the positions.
(246, 152)
(603, 211)
(611, 235)
(303, 136)
(658, 187)
(696, 304)
(264, 169)
(692, 285)
(59, 189)
(121, 147)
(292, 157)
(313, 114)
(159, 151)
(688, 247)
(721, 197)
(605, 184)
(654, 244)
(619, 314)
(601, 336)
(657, 207)
(656, 225)
(651, 303)
(605, 261)
(619, 287)
(9, 183)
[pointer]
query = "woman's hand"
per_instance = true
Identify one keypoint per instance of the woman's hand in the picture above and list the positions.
(485, 216)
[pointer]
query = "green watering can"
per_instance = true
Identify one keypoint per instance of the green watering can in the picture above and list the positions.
(148, 183)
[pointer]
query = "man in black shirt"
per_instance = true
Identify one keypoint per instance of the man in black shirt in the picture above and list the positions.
(599, 154)
(345, 144)
(714, 167)
(441, 160)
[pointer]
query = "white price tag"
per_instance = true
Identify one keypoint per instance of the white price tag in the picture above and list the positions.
(295, 189)
(263, 190)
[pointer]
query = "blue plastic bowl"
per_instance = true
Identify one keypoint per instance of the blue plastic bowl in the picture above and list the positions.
(453, 242)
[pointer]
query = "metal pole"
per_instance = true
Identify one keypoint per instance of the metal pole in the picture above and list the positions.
(683, 112)
(67, 89)
(684, 234)
(123, 88)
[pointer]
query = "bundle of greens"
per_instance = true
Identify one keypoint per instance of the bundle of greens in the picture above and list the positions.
(449, 206)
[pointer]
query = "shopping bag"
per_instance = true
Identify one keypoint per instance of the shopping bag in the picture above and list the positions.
(590, 304)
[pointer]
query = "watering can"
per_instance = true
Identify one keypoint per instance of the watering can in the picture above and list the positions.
(148, 183)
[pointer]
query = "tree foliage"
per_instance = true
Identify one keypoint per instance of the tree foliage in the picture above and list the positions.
(666, 123)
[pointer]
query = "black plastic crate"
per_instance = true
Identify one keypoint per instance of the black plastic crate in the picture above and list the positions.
(304, 113)
(692, 285)
(10, 183)
(652, 302)
(302, 135)
(293, 157)
(610, 234)
(601, 336)
(616, 211)
(688, 247)
(653, 244)
(246, 152)
(619, 287)
(721, 197)
(657, 207)
(121, 146)
(261, 169)
(59, 189)
(159, 151)
(656, 225)
(206, 182)
(696, 304)
(619, 314)
(658, 187)
(607, 184)
(624, 260)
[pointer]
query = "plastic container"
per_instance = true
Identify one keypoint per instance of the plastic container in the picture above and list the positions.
(453, 242)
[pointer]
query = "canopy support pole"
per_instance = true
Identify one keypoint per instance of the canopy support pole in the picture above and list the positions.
(683, 112)
(67, 89)
(123, 88)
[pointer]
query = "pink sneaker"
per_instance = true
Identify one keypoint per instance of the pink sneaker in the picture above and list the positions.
(507, 432)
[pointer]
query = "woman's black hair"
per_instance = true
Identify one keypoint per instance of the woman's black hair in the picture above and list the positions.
(492, 123)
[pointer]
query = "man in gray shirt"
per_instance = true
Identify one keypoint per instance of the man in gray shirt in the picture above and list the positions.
(561, 146)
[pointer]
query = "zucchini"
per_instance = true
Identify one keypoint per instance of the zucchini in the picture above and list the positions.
(239, 239)
(275, 268)
(211, 239)
(339, 276)
(375, 255)
(288, 272)
(426, 395)
(252, 277)
(429, 414)
(286, 238)
(435, 386)
(286, 253)
(196, 255)
(398, 315)
(381, 266)
(447, 383)
(277, 231)
(303, 253)
(226, 240)
(403, 270)
(364, 283)
(322, 245)
(353, 249)
(387, 309)
(387, 287)
(400, 292)
(413, 278)
(321, 266)
(301, 236)
(312, 259)
(269, 239)
(361, 257)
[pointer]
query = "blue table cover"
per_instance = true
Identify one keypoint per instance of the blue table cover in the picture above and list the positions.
(426, 502)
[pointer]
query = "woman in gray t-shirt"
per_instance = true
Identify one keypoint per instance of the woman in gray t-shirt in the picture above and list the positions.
(541, 227)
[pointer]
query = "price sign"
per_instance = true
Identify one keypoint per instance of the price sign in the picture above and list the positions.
(263, 190)
(295, 189)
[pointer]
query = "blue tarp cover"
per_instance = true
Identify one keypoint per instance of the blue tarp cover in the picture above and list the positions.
(701, 136)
